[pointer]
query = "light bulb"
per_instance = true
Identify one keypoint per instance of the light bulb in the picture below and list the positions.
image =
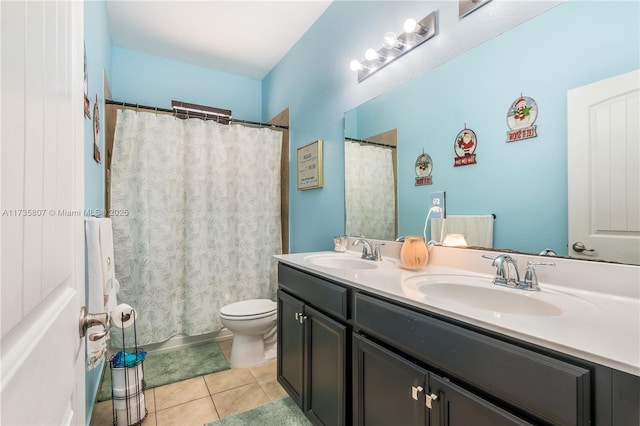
(371, 55)
(410, 25)
(390, 40)
(355, 65)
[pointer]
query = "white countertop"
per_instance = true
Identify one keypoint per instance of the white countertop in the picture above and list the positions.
(599, 304)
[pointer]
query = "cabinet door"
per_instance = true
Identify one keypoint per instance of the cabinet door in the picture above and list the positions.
(325, 396)
(455, 406)
(387, 389)
(290, 346)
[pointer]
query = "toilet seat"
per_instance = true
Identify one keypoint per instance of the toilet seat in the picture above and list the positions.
(249, 309)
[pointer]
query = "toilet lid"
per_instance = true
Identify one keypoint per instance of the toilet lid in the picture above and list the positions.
(249, 307)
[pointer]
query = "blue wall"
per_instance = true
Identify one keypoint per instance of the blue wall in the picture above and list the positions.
(541, 58)
(97, 40)
(155, 81)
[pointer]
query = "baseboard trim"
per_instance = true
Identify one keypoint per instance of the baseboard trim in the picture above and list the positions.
(182, 341)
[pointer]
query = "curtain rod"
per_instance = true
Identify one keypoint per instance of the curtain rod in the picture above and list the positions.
(193, 114)
(370, 142)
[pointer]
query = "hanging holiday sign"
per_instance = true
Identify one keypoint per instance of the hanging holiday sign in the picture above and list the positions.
(520, 118)
(424, 166)
(465, 147)
(96, 132)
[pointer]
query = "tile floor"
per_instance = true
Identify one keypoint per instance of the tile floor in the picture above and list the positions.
(206, 398)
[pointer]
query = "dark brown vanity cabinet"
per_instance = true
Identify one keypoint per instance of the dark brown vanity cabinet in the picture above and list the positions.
(389, 389)
(347, 356)
(527, 384)
(313, 346)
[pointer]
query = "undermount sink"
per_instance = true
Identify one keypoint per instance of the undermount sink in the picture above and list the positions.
(481, 293)
(344, 261)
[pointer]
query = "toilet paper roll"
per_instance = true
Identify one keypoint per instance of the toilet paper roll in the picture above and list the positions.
(123, 315)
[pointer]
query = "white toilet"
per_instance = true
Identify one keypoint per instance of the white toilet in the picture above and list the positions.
(253, 324)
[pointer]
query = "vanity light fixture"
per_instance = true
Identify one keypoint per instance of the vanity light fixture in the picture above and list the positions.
(394, 46)
(465, 7)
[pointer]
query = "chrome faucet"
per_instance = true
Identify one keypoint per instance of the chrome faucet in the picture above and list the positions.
(368, 252)
(506, 267)
(507, 274)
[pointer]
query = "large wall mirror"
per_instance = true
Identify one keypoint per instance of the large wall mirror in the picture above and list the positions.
(523, 183)
(371, 180)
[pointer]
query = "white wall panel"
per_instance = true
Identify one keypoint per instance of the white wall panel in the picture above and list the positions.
(52, 72)
(633, 164)
(34, 144)
(12, 124)
(65, 140)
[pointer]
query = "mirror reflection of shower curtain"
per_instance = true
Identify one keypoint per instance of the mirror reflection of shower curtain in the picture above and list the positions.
(369, 191)
(196, 219)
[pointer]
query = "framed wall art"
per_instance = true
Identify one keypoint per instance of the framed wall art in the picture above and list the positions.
(310, 166)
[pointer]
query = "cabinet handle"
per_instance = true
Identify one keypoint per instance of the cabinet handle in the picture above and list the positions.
(297, 316)
(302, 318)
(415, 390)
(429, 399)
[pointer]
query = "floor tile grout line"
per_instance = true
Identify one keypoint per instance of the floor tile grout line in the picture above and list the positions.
(214, 407)
(184, 403)
(224, 390)
(205, 385)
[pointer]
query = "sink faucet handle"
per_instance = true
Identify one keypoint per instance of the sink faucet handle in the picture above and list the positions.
(376, 251)
(530, 278)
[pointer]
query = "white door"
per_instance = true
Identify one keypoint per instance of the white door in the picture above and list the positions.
(604, 169)
(42, 358)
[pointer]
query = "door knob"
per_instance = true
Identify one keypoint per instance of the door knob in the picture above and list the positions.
(579, 247)
(89, 320)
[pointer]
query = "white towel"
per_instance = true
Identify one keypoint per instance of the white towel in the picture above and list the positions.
(102, 284)
(477, 230)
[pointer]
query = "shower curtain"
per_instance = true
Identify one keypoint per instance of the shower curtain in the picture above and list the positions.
(370, 191)
(196, 220)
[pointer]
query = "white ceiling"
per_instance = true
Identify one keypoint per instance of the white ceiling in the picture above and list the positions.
(241, 37)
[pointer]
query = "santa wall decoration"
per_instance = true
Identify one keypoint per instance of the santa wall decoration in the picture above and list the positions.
(465, 146)
(520, 118)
